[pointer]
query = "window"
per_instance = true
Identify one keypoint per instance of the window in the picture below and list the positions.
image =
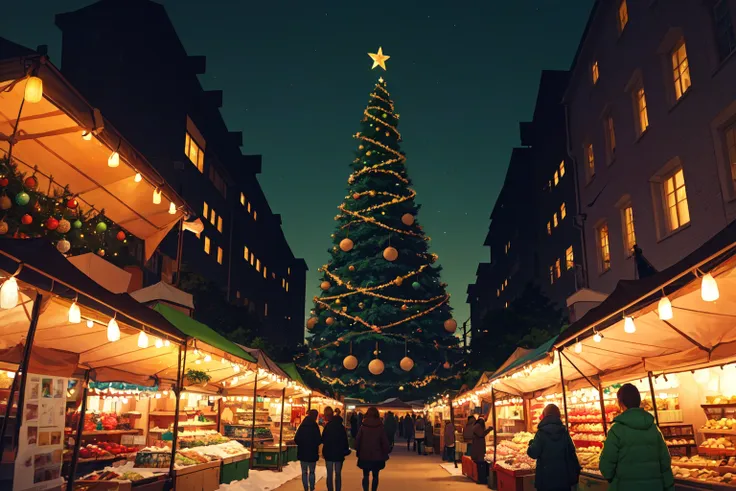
(242, 199)
(590, 160)
(623, 15)
(218, 181)
(287, 287)
(551, 275)
(569, 258)
(248, 206)
(206, 244)
(255, 215)
(498, 292)
(245, 253)
(237, 294)
(681, 70)
(641, 108)
(506, 282)
(205, 210)
(562, 169)
(506, 305)
(604, 251)
(627, 216)
(252, 259)
(725, 39)
(678, 213)
(288, 271)
(213, 217)
(563, 211)
(549, 228)
(594, 72)
(258, 265)
(193, 152)
(556, 178)
(265, 273)
(219, 224)
(219, 255)
(610, 138)
(265, 309)
(554, 220)
(558, 270)
(731, 145)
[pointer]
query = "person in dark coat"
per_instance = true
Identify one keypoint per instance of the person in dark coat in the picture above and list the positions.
(449, 433)
(389, 423)
(334, 449)
(468, 434)
(478, 454)
(401, 426)
(360, 419)
(371, 447)
(308, 439)
(558, 468)
(408, 431)
(354, 425)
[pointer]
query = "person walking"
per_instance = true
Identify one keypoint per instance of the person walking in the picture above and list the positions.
(308, 439)
(408, 431)
(468, 434)
(478, 454)
(450, 442)
(401, 426)
(558, 468)
(334, 449)
(354, 425)
(371, 448)
(419, 434)
(428, 436)
(389, 423)
(635, 456)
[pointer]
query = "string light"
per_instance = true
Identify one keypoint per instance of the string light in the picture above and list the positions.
(34, 90)
(597, 337)
(578, 347)
(86, 135)
(9, 293)
(90, 323)
(114, 159)
(167, 343)
(142, 340)
(75, 315)
(207, 358)
(113, 330)
(629, 326)
(138, 177)
(385, 326)
(709, 288)
(665, 309)
(159, 343)
(172, 208)
(156, 196)
(381, 121)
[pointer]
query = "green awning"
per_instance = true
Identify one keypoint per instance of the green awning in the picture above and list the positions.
(201, 332)
(534, 355)
(293, 372)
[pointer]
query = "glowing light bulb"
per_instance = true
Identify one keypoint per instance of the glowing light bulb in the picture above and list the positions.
(138, 177)
(156, 196)
(236, 368)
(113, 331)
(86, 135)
(235, 380)
(172, 208)
(167, 343)
(142, 340)
(709, 288)
(9, 293)
(578, 347)
(159, 343)
(207, 358)
(597, 338)
(222, 360)
(665, 309)
(90, 323)
(629, 326)
(75, 315)
(34, 90)
(113, 160)
(198, 362)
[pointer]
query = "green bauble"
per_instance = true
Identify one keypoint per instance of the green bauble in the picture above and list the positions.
(416, 285)
(77, 224)
(22, 198)
(101, 227)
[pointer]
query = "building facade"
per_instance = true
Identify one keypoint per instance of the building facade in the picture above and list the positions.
(652, 129)
(140, 76)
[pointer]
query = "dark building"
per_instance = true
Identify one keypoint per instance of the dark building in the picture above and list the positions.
(127, 59)
(533, 235)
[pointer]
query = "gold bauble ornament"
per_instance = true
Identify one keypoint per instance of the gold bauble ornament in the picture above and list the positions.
(356, 196)
(372, 194)
(329, 321)
(406, 364)
(388, 134)
(334, 249)
(401, 388)
(338, 301)
(404, 307)
(351, 268)
(446, 366)
(325, 285)
(368, 152)
(398, 281)
(407, 219)
(346, 244)
(361, 305)
(360, 147)
(450, 325)
(311, 322)
(350, 362)
(390, 254)
(376, 367)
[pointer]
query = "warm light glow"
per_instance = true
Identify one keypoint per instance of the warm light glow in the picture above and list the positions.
(167, 343)
(597, 338)
(578, 347)
(9, 294)
(235, 381)
(86, 135)
(138, 177)
(34, 90)
(159, 343)
(665, 309)
(236, 368)
(142, 340)
(198, 362)
(11, 375)
(709, 288)
(113, 331)
(172, 208)
(75, 315)
(156, 196)
(629, 326)
(207, 358)
(90, 323)
(113, 160)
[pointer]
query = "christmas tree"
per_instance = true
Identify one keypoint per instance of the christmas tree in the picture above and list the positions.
(382, 325)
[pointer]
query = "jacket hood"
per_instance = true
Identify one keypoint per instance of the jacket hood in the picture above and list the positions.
(635, 418)
(372, 422)
(309, 422)
(337, 419)
(552, 426)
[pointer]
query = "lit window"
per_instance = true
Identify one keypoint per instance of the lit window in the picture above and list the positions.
(623, 15)
(551, 275)
(681, 70)
(556, 178)
(287, 287)
(558, 269)
(245, 253)
(506, 305)
(252, 259)
(242, 199)
(641, 107)
(265, 309)
(506, 282)
(731, 144)
(563, 211)
(549, 228)
(219, 224)
(258, 265)
(206, 244)
(283, 283)
(678, 213)
(604, 250)
(219, 255)
(594, 72)
(255, 215)
(629, 234)
(288, 271)
(237, 294)
(265, 273)
(554, 220)
(213, 216)
(205, 210)
(590, 160)
(273, 276)
(193, 152)
(569, 258)
(723, 21)
(610, 138)
(248, 206)
(562, 169)
(498, 292)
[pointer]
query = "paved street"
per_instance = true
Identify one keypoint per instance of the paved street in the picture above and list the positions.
(402, 470)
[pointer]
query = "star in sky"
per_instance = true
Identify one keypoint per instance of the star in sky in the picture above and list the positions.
(379, 59)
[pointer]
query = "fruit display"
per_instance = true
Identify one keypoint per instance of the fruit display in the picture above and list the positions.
(680, 441)
(703, 475)
(106, 422)
(720, 399)
(587, 428)
(588, 438)
(198, 458)
(202, 441)
(513, 452)
(589, 458)
(697, 460)
(222, 450)
(727, 424)
(718, 443)
(93, 452)
(592, 413)
(153, 458)
(113, 476)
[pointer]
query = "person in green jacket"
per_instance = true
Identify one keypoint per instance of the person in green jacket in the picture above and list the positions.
(558, 468)
(635, 456)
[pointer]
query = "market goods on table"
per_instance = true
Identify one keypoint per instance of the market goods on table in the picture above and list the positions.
(703, 475)
(728, 424)
(720, 443)
(511, 454)
(589, 458)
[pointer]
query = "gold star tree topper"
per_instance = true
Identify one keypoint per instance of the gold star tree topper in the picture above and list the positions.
(379, 59)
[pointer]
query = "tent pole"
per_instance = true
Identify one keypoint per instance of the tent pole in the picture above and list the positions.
(564, 392)
(253, 428)
(36, 313)
(493, 422)
(309, 402)
(577, 369)
(78, 440)
(654, 398)
(180, 367)
(603, 409)
(281, 428)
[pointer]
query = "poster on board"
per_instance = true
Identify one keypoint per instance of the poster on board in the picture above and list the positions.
(41, 442)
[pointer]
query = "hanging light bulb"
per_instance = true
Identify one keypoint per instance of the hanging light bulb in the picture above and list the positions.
(167, 343)
(142, 340)
(207, 358)
(172, 208)
(235, 381)
(75, 315)
(198, 362)
(629, 326)
(113, 330)
(196, 352)
(222, 360)
(34, 90)
(159, 343)
(578, 347)
(597, 337)
(90, 323)
(709, 288)
(236, 368)
(86, 135)
(138, 177)
(156, 196)
(665, 309)
(9, 293)
(114, 159)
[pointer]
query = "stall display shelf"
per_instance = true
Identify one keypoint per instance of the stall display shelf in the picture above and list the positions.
(110, 432)
(728, 452)
(711, 431)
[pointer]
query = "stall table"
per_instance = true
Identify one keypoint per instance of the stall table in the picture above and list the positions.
(235, 468)
(508, 480)
(202, 477)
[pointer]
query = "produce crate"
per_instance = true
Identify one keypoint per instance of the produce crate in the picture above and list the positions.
(269, 457)
(234, 469)
(202, 477)
(469, 468)
(592, 483)
(507, 480)
(291, 453)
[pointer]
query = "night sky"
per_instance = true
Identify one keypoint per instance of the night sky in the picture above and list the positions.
(296, 78)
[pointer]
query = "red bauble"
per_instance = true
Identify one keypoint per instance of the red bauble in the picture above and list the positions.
(26, 219)
(31, 182)
(72, 204)
(120, 236)
(52, 223)
(4, 181)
